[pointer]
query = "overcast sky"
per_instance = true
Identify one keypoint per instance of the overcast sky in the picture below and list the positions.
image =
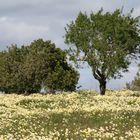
(22, 21)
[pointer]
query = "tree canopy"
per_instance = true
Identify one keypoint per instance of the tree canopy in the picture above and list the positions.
(28, 68)
(106, 41)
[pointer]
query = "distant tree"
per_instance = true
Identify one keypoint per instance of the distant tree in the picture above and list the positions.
(28, 68)
(135, 84)
(106, 41)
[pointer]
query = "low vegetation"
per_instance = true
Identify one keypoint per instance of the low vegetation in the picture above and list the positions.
(81, 115)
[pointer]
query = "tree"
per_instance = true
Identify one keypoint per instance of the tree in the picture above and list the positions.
(28, 68)
(63, 78)
(106, 41)
(135, 84)
(2, 70)
(10, 69)
(46, 66)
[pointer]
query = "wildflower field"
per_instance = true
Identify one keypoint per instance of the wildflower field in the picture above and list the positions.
(71, 116)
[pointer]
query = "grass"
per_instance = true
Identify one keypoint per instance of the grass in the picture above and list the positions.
(83, 115)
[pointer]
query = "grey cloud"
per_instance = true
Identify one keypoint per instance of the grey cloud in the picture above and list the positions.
(50, 14)
(61, 8)
(19, 32)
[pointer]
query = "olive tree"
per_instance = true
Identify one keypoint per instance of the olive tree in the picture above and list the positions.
(106, 41)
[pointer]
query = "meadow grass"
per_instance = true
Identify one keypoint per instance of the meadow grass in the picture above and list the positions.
(78, 116)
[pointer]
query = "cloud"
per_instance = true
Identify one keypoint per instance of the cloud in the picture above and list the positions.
(12, 31)
(136, 11)
(28, 18)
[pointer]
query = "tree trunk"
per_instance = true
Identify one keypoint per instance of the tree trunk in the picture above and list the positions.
(102, 87)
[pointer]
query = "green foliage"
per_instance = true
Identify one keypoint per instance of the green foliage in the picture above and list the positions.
(62, 78)
(11, 76)
(28, 68)
(106, 41)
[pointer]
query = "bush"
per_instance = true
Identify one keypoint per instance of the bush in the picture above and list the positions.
(28, 68)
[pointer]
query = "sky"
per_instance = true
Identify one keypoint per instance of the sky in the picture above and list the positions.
(22, 21)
